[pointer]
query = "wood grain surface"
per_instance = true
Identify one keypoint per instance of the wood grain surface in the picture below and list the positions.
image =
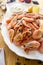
(10, 57)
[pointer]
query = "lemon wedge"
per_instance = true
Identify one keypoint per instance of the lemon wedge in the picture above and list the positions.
(30, 9)
(35, 9)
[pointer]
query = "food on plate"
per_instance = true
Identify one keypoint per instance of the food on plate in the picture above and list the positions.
(40, 40)
(17, 39)
(33, 9)
(28, 19)
(25, 30)
(37, 34)
(11, 34)
(20, 16)
(41, 48)
(32, 45)
(30, 9)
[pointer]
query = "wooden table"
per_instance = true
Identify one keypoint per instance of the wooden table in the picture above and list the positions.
(10, 57)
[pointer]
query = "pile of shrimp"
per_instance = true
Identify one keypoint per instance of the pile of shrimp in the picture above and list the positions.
(24, 31)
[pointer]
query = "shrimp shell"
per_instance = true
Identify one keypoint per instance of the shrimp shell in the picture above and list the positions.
(37, 34)
(33, 45)
(35, 25)
(11, 34)
(20, 16)
(26, 34)
(24, 22)
(40, 40)
(41, 48)
(12, 23)
(17, 39)
(28, 19)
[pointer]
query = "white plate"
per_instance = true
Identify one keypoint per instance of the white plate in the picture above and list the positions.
(17, 50)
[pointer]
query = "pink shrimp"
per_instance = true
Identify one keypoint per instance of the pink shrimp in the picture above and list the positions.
(40, 40)
(29, 14)
(20, 29)
(11, 34)
(20, 16)
(26, 34)
(41, 48)
(29, 25)
(26, 40)
(28, 19)
(27, 50)
(35, 16)
(37, 22)
(12, 23)
(32, 45)
(37, 34)
(35, 25)
(9, 20)
(24, 22)
(17, 39)
(40, 16)
(32, 26)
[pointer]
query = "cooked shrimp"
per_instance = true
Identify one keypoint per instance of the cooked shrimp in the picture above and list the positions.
(41, 48)
(20, 16)
(35, 16)
(12, 23)
(11, 34)
(41, 40)
(37, 22)
(26, 34)
(40, 16)
(32, 15)
(26, 37)
(27, 40)
(20, 29)
(9, 20)
(37, 34)
(9, 26)
(28, 19)
(27, 50)
(29, 25)
(35, 25)
(24, 22)
(26, 31)
(32, 45)
(29, 14)
(17, 39)
(32, 26)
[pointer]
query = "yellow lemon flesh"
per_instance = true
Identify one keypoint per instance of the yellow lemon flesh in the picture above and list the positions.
(35, 9)
(30, 9)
